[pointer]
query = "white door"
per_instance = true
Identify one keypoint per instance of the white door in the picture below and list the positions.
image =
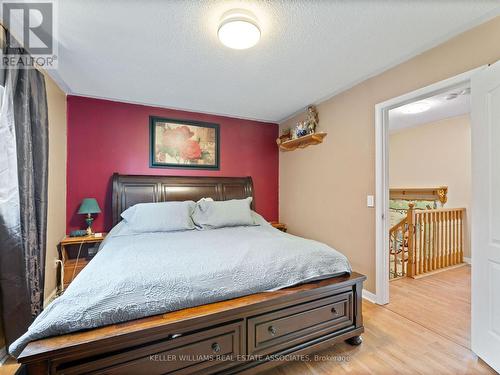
(486, 215)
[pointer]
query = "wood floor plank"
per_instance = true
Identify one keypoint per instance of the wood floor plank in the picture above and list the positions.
(440, 302)
(394, 344)
(10, 367)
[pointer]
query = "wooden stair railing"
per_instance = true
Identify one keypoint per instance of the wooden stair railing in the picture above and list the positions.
(426, 241)
(398, 248)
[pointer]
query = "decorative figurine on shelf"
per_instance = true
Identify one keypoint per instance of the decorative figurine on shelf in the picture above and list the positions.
(286, 135)
(312, 119)
(308, 126)
(300, 129)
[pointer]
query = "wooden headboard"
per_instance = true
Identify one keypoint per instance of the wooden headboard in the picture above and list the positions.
(431, 194)
(132, 189)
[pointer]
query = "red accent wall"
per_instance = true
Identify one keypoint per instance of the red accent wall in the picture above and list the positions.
(106, 137)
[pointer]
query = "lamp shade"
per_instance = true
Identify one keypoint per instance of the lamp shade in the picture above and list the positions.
(89, 206)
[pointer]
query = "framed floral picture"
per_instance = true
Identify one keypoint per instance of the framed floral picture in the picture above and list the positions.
(183, 144)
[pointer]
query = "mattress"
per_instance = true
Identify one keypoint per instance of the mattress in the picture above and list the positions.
(135, 275)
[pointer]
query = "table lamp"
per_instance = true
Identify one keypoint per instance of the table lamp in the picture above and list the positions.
(89, 206)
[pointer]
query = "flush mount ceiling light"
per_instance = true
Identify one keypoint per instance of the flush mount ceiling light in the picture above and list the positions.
(416, 107)
(238, 29)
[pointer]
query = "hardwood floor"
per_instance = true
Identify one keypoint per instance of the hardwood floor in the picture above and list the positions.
(443, 301)
(424, 330)
(10, 367)
(417, 333)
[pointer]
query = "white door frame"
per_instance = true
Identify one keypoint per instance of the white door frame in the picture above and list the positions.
(382, 172)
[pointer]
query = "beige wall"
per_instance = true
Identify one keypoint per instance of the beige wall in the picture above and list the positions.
(56, 225)
(323, 188)
(435, 154)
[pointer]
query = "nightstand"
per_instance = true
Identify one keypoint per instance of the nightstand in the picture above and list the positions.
(74, 254)
(282, 227)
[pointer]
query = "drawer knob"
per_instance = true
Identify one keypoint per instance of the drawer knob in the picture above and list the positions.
(334, 311)
(216, 347)
(272, 330)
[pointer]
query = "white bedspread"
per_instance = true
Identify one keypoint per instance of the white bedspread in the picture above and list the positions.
(138, 275)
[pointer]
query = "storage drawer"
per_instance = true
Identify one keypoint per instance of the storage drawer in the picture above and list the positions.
(205, 351)
(300, 323)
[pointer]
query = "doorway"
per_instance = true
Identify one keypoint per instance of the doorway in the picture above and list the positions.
(383, 116)
(485, 213)
(423, 203)
(430, 184)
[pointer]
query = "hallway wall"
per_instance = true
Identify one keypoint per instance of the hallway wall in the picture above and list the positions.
(435, 154)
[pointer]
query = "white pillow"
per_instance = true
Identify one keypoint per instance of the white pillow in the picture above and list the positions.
(205, 199)
(160, 217)
(217, 214)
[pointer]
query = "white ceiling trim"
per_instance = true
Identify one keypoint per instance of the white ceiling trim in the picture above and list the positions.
(436, 42)
(161, 106)
(59, 81)
(67, 90)
(69, 82)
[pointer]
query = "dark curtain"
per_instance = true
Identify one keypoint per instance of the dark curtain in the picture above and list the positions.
(23, 198)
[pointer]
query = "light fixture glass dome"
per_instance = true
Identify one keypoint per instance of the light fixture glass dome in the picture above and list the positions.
(238, 30)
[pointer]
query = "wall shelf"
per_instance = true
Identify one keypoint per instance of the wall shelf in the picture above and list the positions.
(302, 142)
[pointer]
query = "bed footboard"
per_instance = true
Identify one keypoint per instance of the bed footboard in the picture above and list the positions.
(243, 335)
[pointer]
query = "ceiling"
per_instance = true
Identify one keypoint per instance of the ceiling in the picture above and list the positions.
(448, 104)
(166, 53)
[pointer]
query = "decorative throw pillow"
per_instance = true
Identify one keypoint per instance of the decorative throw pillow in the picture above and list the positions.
(160, 217)
(217, 214)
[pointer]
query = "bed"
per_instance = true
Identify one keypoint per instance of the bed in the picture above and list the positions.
(241, 329)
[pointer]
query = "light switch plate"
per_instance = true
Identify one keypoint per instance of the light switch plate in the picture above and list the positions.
(370, 201)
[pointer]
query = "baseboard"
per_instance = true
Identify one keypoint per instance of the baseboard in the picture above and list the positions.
(467, 260)
(49, 298)
(369, 296)
(426, 274)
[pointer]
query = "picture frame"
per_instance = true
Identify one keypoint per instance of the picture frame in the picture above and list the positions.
(183, 144)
